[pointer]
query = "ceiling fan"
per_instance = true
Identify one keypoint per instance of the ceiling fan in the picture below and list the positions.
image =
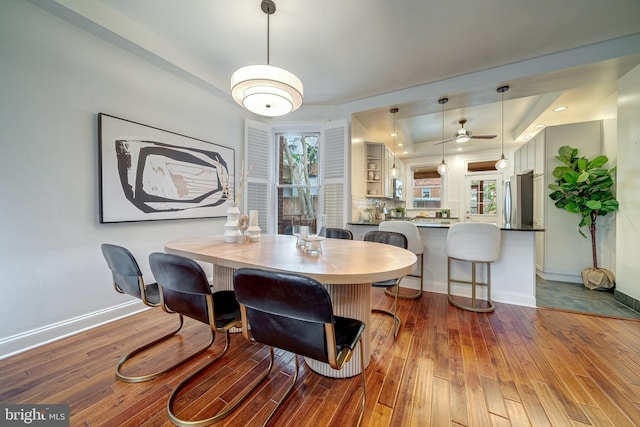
(464, 135)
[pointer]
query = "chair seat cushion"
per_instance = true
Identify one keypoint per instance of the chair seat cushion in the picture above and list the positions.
(348, 332)
(226, 307)
(385, 284)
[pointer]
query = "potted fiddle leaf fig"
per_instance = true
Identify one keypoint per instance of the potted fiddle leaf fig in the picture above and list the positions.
(585, 187)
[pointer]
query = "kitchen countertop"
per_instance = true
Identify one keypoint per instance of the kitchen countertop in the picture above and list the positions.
(442, 224)
(513, 275)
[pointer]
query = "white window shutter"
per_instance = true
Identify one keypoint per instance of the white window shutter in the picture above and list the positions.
(258, 151)
(335, 178)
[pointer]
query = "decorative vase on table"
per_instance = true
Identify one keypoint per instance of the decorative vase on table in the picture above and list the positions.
(231, 232)
(254, 229)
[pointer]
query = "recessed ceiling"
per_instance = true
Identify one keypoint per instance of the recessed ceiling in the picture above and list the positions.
(345, 51)
(588, 92)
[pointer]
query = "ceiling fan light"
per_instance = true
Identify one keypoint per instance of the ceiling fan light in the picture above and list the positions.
(503, 163)
(462, 138)
(442, 168)
(266, 90)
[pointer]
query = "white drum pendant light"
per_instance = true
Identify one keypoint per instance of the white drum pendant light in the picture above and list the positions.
(265, 89)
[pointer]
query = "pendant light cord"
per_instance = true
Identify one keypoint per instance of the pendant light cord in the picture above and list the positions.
(502, 90)
(268, 7)
(394, 136)
(394, 111)
(443, 101)
(502, 124)
(442, 132)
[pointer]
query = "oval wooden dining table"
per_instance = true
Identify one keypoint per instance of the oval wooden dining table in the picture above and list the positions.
(345, 267)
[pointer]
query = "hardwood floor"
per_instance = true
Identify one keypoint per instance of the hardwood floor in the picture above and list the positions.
(517, 366)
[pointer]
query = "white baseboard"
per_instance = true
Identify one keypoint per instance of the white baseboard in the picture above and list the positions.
(465, 291)
(36, 337)
(554, 277)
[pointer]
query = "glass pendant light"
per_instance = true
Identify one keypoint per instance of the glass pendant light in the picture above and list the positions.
(503, 164)
(265, 89)
(443, 168)
(394, 169)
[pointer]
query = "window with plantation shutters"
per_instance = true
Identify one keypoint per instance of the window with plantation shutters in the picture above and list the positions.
(298, 172)
(335, 151)
(258, 146)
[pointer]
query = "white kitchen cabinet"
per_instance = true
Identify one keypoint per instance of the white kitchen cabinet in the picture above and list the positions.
(524, 159)
(538, 166)
(531, 155)
(388, 179)
(539, 200)
(517, 161)
(375, 159)
(403, 178)
(392, 160)
(539, 196)
(378, 163)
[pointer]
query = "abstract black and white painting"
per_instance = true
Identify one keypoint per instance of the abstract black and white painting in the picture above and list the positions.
(147, 173)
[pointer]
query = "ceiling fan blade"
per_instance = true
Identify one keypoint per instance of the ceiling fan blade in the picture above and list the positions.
(442, 142)
(483, 136)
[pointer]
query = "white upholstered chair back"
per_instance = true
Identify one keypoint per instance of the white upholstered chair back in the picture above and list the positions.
(410, 231)
(474, 241)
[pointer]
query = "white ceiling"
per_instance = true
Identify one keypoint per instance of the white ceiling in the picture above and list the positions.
(349, 50)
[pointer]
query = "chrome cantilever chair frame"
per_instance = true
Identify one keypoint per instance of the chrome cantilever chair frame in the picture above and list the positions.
(396, 239)
(475, 243)
(282, 300)
(128, 279)
(415, 245)
(185, 289)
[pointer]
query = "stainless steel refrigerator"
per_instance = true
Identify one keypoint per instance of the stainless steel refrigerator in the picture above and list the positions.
(518, 202)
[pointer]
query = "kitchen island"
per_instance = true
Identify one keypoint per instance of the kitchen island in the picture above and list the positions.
(513, 276)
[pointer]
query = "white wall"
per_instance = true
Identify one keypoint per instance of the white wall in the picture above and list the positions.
(54, 79)
(628, 185)
(606, 225)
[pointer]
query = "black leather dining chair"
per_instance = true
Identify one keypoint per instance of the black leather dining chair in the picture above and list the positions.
(127, 279)
(396, 239)
(184, 289)
(294, 313)
(336, 233)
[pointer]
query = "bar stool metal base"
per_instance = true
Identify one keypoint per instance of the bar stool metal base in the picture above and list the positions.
(474, 283)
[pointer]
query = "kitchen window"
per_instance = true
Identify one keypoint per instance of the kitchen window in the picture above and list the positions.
(427, 188)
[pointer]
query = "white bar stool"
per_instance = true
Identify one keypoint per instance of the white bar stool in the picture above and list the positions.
(475, 243)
